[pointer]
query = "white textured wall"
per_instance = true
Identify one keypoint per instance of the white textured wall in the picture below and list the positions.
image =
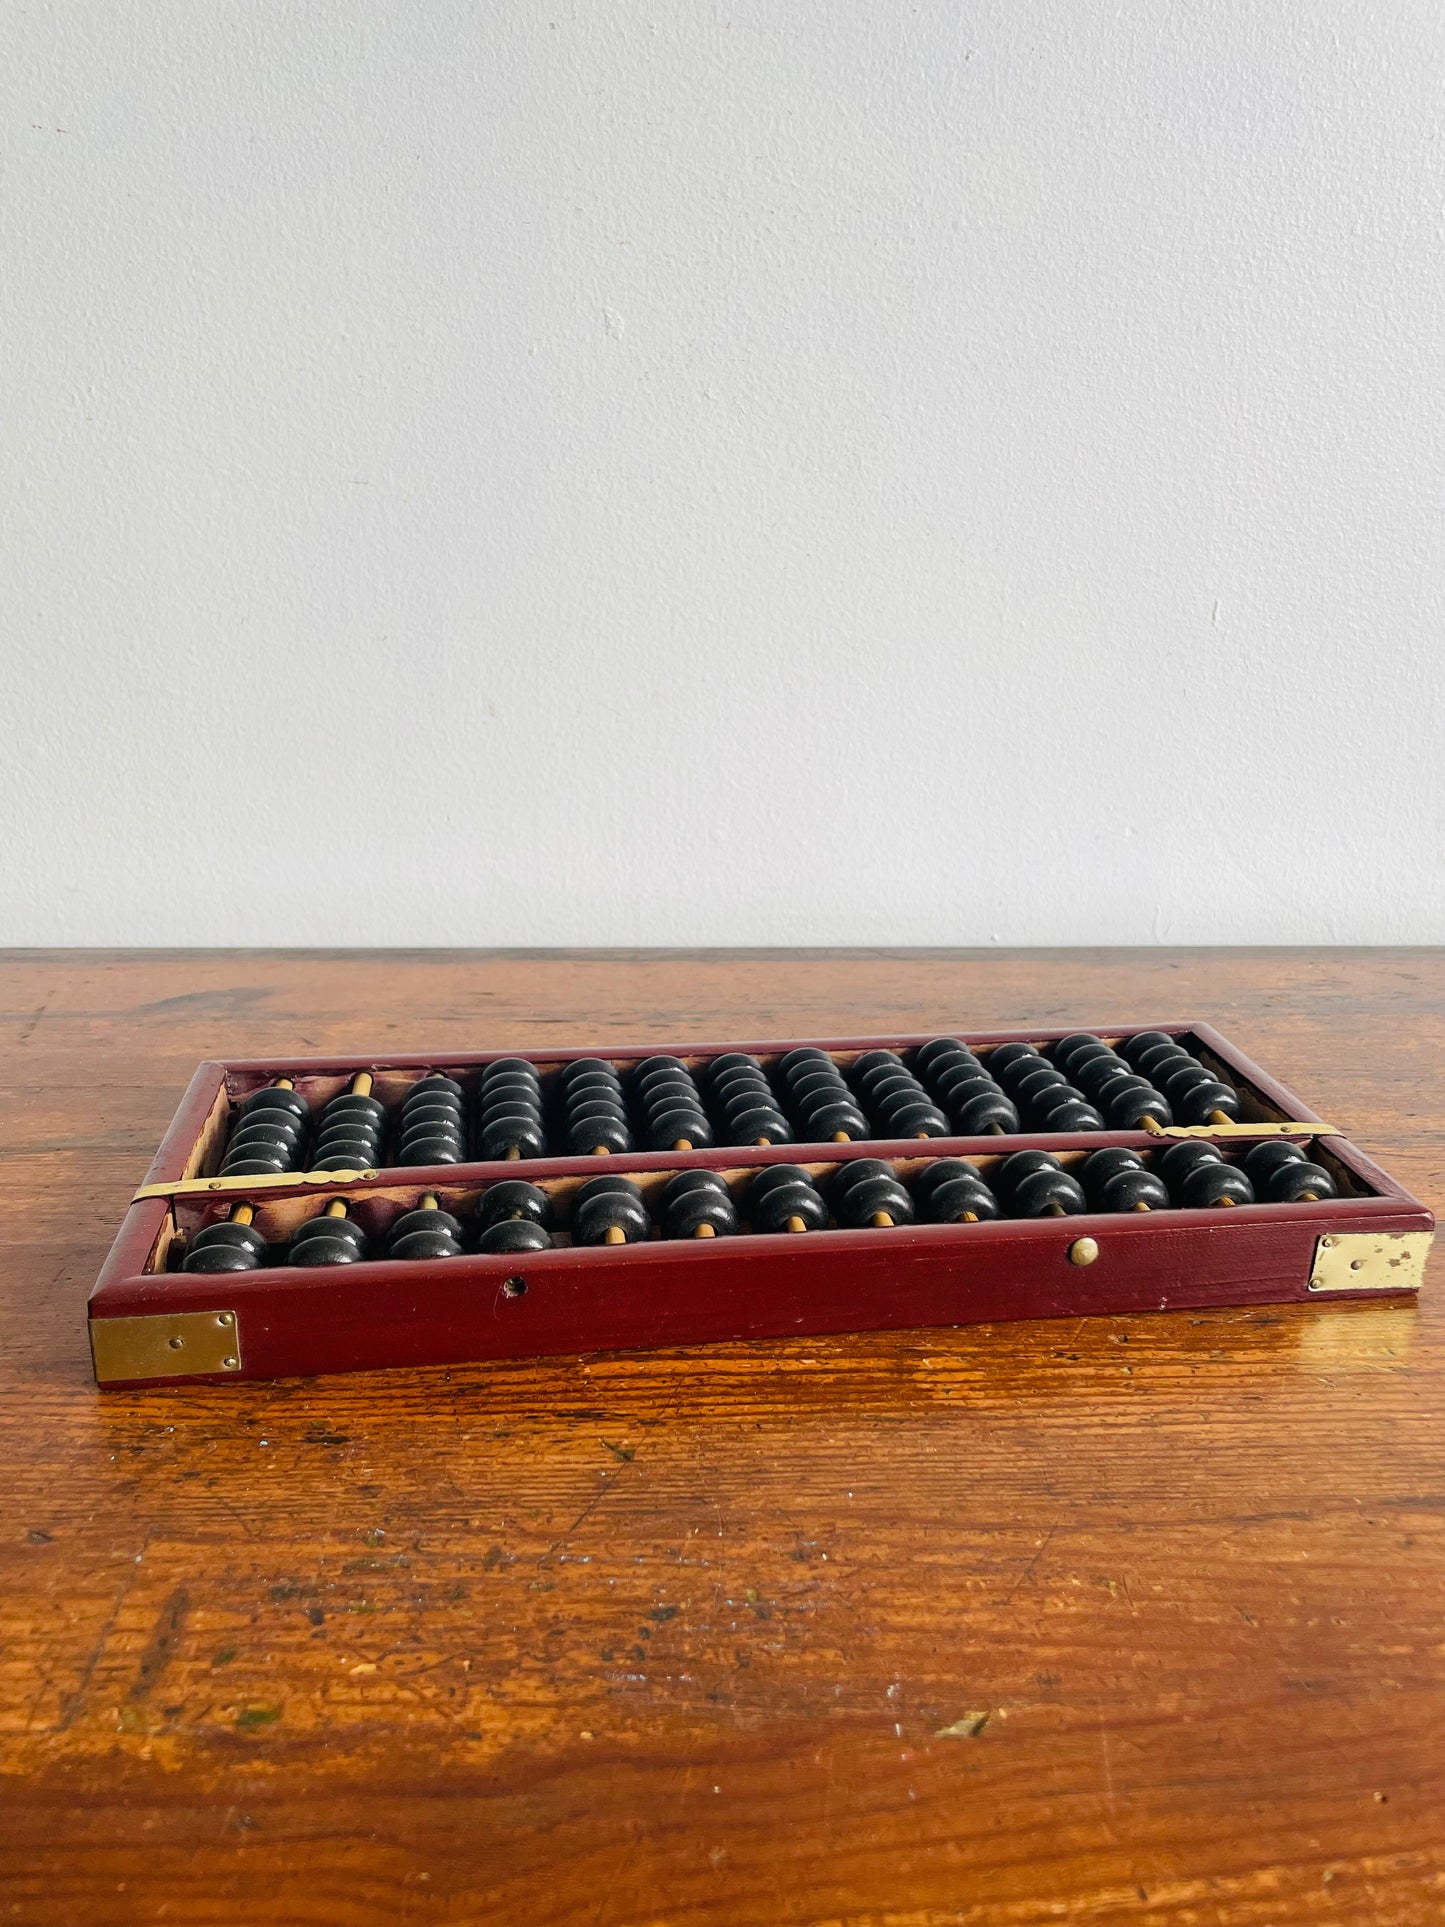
(722, 473)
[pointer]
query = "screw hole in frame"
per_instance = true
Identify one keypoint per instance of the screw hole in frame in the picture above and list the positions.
(515, 1288)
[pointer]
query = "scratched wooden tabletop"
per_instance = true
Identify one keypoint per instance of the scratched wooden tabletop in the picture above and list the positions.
(1135, 1620)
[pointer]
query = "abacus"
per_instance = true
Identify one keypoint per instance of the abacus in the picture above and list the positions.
(319, 1216)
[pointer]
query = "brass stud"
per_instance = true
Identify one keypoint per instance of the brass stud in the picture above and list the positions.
(231, 1364)
(1083, 1251)
(223, 1318)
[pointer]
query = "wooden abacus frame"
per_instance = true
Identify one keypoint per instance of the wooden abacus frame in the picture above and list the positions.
(150, 1324)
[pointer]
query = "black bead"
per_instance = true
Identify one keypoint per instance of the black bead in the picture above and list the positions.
(425, 1234)
(1068, 1112)
(1037, 1195)
(225, 1246)
(804, 1055)
(514, 1234)
(1133, 1048)
(512, 1198)
(977, 1116)
(950, 1190)
(608, 1203)
(1199, 1104)
(1069, 1051)
(1003, 1056)
(1289, 1183)
(784, 1191)
(1213, 1184)
(256, 1164)
(1183, 1157)
(1128, 1190)
(599, 1133)
(436, 1084)
(827, 1120)
(867, 1187)
(695, 1198)
(1262, 1160)
(271, 1097)
(516, 1133)
(327, 1241)
(1129, 1109)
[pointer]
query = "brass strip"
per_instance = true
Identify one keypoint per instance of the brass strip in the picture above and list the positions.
(258, 1187)
(1240, 1130)
(172, 1344)
(1370, 1261)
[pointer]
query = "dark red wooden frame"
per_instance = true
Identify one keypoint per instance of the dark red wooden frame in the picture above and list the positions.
(385, 1313)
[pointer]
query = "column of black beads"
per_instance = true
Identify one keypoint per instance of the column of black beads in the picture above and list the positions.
(268, 1134)
(1195, 1093)
(1044, 1097)
(953, 1191)
(594, 1108)
(896, 1103)
(671, 1106)
(697, 1204)
(330, 1239)
(784, 1198)
(824, 1109)
(744, 1102)
(231, 1244)
(513, 1216)
(1110, 1084)
(608, 1211)
(350, 1133)
(1283, 1173)
(976, 1104)
(509, 1111)
(1199, 1179)
(1033, 1184)
(433, 1124)
(1116, 1179)
(870, 1193)
(426, 1232)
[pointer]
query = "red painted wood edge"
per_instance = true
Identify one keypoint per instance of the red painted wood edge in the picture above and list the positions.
(382, 1313)
(379, 1315)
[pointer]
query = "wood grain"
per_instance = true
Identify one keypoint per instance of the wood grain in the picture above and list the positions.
(1122, 1620)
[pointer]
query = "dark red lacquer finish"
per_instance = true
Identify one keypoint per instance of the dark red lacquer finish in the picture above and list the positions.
(679, 1292)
